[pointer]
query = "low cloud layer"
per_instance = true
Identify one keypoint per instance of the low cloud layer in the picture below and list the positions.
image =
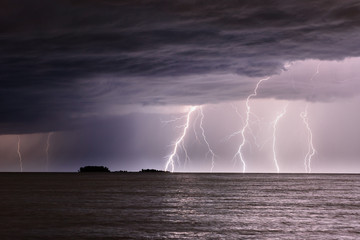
(64, 62)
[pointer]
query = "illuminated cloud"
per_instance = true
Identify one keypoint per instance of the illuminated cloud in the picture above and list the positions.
(65, 63)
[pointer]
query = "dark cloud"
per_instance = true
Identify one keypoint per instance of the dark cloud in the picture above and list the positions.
(63, 61)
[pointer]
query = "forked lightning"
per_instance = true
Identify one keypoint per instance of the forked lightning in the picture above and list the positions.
(239, 153)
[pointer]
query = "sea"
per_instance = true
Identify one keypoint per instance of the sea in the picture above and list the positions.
(179, 206)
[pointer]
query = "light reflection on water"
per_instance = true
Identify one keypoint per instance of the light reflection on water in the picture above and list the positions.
(179, 206)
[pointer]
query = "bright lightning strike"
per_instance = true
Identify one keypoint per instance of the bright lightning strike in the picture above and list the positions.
(19, 153)
(47, 149)
(205, 140)
(246, 126)
(304, 115)
(278, 117)
(170, 161)
(311, 150)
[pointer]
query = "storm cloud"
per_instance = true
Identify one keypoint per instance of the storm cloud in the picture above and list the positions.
(63, 63)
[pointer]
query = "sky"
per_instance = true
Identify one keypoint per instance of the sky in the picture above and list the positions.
(112, 83)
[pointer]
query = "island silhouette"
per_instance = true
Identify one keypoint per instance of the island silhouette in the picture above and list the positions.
(93, 169)
(106, 169)
(151, 171)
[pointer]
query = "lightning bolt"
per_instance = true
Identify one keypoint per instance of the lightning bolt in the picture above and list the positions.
(242, 121)
(246, 126)
(250, 131)
(304, 115)
(278, 117)
(47, 149)
(311, 150)
(206, 141)
(179, 142)
(19, 153)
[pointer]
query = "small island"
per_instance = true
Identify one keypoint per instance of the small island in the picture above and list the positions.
(121, 171)
(93, 169)
(152, 171)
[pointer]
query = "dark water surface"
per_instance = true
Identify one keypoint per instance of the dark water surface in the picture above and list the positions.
(179, 206)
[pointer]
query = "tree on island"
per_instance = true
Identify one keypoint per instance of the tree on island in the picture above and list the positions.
(93, 169)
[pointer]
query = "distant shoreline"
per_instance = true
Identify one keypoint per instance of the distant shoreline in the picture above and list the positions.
(162, 172)
(93, 169)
